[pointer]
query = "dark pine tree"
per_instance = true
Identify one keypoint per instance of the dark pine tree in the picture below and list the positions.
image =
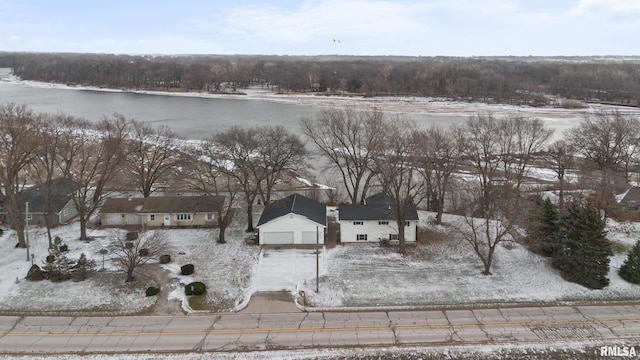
(543, 232)
(630, 269)
(584, 253)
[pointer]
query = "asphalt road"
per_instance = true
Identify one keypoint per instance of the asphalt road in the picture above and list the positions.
(619, 324)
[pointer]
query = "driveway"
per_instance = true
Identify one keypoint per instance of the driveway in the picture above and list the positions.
(281, 269)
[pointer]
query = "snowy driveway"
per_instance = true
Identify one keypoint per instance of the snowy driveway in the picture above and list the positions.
(283, 269)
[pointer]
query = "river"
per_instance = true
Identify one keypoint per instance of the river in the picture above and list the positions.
(197, 116)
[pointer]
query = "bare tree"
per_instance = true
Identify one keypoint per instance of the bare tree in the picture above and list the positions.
(91, 156)
(153, 154)
(129, 255)
(561, 157)
(348, 139)
(18, 149)
(609, 140)
(279, 151)
(208, 174)
(440, 156)
(395, 169)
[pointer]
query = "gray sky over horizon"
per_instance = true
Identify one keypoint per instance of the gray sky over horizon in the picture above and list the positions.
(324, 27)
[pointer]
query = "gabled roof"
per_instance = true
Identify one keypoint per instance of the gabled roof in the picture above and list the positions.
(376, 207)
(631, 197)
(163, 204)
(60, 191)
(296, 204)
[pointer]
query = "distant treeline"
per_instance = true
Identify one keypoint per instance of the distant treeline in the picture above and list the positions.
(513, 80)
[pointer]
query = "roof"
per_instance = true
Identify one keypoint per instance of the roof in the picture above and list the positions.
(296, 204)
(60, 191)
(631, 197)
(163, 204)
(376, 207)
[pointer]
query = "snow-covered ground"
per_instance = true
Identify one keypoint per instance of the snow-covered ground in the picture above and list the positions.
(445, 271)
(442, 271)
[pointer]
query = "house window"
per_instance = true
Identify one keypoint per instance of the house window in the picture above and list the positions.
(29, 217)
(393, 236)
(407, 223)
(183, 217)
(383, 222)
(65, 212)
(209, 216)
(152, 217)
(358, 223)
(361, 237)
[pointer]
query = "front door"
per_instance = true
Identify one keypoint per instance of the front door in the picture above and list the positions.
(167, 219)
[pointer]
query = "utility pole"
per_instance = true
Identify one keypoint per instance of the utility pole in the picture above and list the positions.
(26, 228)
(317, 259)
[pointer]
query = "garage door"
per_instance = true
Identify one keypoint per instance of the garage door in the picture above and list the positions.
(309, 237)
(285, 237)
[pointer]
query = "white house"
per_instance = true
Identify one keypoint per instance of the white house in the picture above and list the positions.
(374, 221)
(293, 220)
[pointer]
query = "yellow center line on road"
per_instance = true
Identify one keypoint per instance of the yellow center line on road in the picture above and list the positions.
(318, 329)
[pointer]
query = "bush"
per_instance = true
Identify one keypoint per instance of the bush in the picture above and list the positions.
(144, 252)
(195, 288)
(165, 259)
(152, 291)
(187, 269)
(35, 273)
(630, 269)
(133, 235)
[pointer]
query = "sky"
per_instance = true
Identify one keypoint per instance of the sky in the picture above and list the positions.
(324, 27)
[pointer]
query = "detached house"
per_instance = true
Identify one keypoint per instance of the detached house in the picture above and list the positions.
(295, 219)
(52, 199)
(374, 221)
(161, 211)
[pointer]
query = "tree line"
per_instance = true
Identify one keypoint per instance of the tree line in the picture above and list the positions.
(504, 80)
(480, 169)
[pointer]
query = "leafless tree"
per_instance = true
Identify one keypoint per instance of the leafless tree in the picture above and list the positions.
(279, 151)
(394, 168)
(129, 255)
(18, 149)
(348, 139)
(499, 151)
(91, 156)
(439, 157)
(208, 174)
(561, 158)
(610, 140)
(154, 153)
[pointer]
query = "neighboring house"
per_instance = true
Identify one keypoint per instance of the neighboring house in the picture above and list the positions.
(160, 211)
(295, 219)
(629, 202)
(61, 207)
(374, 221)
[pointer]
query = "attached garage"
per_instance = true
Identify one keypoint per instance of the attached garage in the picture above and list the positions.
(273, 237)
(293, 220)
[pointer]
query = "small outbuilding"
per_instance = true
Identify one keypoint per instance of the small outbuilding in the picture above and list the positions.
(294, 220)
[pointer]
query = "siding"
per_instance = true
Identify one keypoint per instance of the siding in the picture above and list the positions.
(374, 231)
(292, 222)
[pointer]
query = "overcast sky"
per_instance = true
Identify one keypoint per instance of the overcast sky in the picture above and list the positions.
(322, 27)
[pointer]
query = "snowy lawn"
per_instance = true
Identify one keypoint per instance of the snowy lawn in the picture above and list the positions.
(226, 270)
(444, 270)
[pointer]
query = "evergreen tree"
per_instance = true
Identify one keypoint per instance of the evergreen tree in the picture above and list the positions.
(584, 253)
(630, 269)
(543, 232)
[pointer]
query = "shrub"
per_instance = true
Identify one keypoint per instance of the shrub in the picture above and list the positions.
(165, 259)
(64, 248)
(35, 273)
(152, 291)
(83, 267)
(630, 269)
(195, 288)
(133, 235)
(187, 269)
(144, 252)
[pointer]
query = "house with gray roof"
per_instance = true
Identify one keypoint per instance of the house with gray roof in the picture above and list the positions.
(161, 211)
(294, 220)
(51, 199)
(374, 221)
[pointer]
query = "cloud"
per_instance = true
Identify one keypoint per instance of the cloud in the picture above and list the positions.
(599, 7)
(325, 20)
